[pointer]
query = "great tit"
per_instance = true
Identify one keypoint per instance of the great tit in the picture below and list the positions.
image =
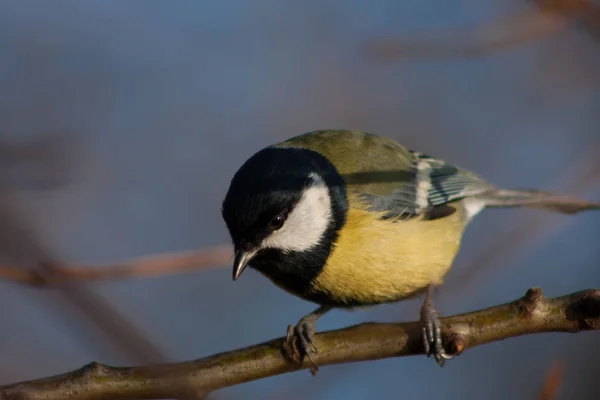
(347, 219)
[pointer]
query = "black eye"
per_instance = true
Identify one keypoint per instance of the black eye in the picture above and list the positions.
(277, 222)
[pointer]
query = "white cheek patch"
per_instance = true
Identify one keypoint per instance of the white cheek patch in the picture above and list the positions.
(307, 222)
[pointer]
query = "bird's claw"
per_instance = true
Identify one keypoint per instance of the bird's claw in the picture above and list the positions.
(299, 343)
(432, 334)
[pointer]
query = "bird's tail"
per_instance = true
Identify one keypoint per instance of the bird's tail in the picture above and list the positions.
(536, 199)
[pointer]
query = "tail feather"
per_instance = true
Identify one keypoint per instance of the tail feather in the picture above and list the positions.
(536, 199)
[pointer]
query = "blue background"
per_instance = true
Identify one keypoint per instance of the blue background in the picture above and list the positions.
(158, 103)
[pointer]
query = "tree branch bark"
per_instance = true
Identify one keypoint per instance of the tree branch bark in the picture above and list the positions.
(530, 314)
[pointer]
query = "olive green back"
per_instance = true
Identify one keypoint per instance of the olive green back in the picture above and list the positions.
(368, 163)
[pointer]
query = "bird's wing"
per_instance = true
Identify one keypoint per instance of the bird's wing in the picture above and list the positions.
(389, 178)
(431, 185)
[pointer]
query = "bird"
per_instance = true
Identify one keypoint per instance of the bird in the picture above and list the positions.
(348, 219)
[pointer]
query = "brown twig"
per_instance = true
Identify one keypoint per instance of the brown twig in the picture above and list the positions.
(371, 341)
(139, 267)
(504, 33)
(38, 264)
(23, 246)
(40, 164)
(546, 18)
(552, 384)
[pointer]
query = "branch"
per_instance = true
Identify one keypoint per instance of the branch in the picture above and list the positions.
(43, 163)
(370, 341)
(494, 36)
(554, 378)
(145, 266)
(544, 19)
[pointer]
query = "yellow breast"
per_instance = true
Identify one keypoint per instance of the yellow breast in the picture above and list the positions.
(376, 261)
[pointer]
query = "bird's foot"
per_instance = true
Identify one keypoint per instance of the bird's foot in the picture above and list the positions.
(299, 342)
(432, 334)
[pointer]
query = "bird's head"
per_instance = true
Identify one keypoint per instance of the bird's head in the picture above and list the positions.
(283, 210)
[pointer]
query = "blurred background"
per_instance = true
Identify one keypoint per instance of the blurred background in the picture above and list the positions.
(122, 123)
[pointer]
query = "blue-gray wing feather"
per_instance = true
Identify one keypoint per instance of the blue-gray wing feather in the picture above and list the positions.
(446, 183)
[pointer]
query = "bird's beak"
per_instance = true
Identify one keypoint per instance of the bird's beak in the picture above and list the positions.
(242, 258)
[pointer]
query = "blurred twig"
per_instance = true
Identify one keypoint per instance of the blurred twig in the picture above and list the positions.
(530, 314)
(39, 164)
(552, 383)
(38, 263)
(544, 19)
(139, 267)
(21, 245)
